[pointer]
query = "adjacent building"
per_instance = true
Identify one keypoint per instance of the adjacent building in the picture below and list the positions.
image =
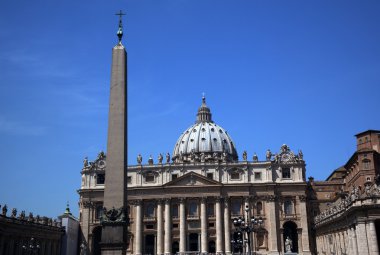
(346, 207)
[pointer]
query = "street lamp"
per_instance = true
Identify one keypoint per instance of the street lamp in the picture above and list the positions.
(32, 247)
(248, 227)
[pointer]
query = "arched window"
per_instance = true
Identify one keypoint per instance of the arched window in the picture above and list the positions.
(288, 207)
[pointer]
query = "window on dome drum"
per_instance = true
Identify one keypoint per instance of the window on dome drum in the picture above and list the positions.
(288, 207)
(149, 210)
(174, 176)
(286, 173)
(210, 176)
(99, 211)
(175, 225)
(129, 179)
(100, 178)
(149, 177)
(193, 209)
(257, 176)
(235, 176)
(210, 210)
(175, 211)
(235, 207)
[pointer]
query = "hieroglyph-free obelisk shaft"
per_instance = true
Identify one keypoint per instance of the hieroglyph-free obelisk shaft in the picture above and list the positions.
(115, 195)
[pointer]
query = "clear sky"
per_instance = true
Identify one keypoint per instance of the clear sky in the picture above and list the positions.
(304, 73)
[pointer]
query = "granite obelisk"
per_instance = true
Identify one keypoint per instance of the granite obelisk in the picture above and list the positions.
(114, 223)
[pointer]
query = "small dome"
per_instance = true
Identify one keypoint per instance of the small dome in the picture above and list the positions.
(204, 141)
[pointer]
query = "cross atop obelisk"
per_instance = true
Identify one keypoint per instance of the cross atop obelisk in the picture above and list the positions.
(120, 30)
(114, 238)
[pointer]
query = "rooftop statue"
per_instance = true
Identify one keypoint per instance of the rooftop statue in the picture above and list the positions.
(5, 210)
(150, 160)
(85, 162)
(268, 155)
(139, 159)
(244, 155)
(255, 158)
(167, 158)
(160, 158)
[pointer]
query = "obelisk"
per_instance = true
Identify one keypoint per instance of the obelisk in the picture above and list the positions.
(114, 225)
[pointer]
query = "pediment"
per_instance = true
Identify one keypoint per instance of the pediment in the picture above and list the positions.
(192, 179)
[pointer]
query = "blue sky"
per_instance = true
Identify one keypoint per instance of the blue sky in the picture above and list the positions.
(304, 73)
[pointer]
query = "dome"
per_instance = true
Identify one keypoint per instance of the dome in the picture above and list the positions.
(204, 141)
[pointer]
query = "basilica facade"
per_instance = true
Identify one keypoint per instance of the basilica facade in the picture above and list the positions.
(186, 202)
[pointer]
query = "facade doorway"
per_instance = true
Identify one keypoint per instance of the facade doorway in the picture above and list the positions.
(211, 247)
(96, 239)
(290, 230)
(193, 242)
(175, 247)
(149, 244)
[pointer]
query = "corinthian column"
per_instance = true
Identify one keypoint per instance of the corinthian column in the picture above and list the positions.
(354, 242)
(219, 227)
(203, 226)
(227, 225)
(182, 226)
(138, 238)
(168, 228)
(372, 238)
(362, 238)
(160, 229)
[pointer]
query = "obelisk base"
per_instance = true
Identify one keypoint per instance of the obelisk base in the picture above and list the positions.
(114, 240)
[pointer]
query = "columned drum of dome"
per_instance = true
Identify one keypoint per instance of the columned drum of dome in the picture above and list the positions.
(204, 141)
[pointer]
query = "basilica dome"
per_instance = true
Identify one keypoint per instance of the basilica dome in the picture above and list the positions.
(204, 141)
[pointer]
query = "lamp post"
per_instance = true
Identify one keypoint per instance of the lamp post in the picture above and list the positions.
(248, 227)
(32, 247)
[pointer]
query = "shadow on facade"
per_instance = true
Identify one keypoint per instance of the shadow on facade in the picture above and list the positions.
(96, 239)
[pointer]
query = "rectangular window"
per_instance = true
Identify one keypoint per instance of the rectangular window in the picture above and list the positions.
(285, 173)
(175, 225)
(175, 211)
(235, 176)
(149, 210)
(288, 207)
(129, 179)
(100, 178)
(99, 211)
(257, 176)
(193, 209)
(235, 207)
(211, 225)
(174, 176)
(210, 210)
(149, 226)
(210, 176)
(149, 178)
